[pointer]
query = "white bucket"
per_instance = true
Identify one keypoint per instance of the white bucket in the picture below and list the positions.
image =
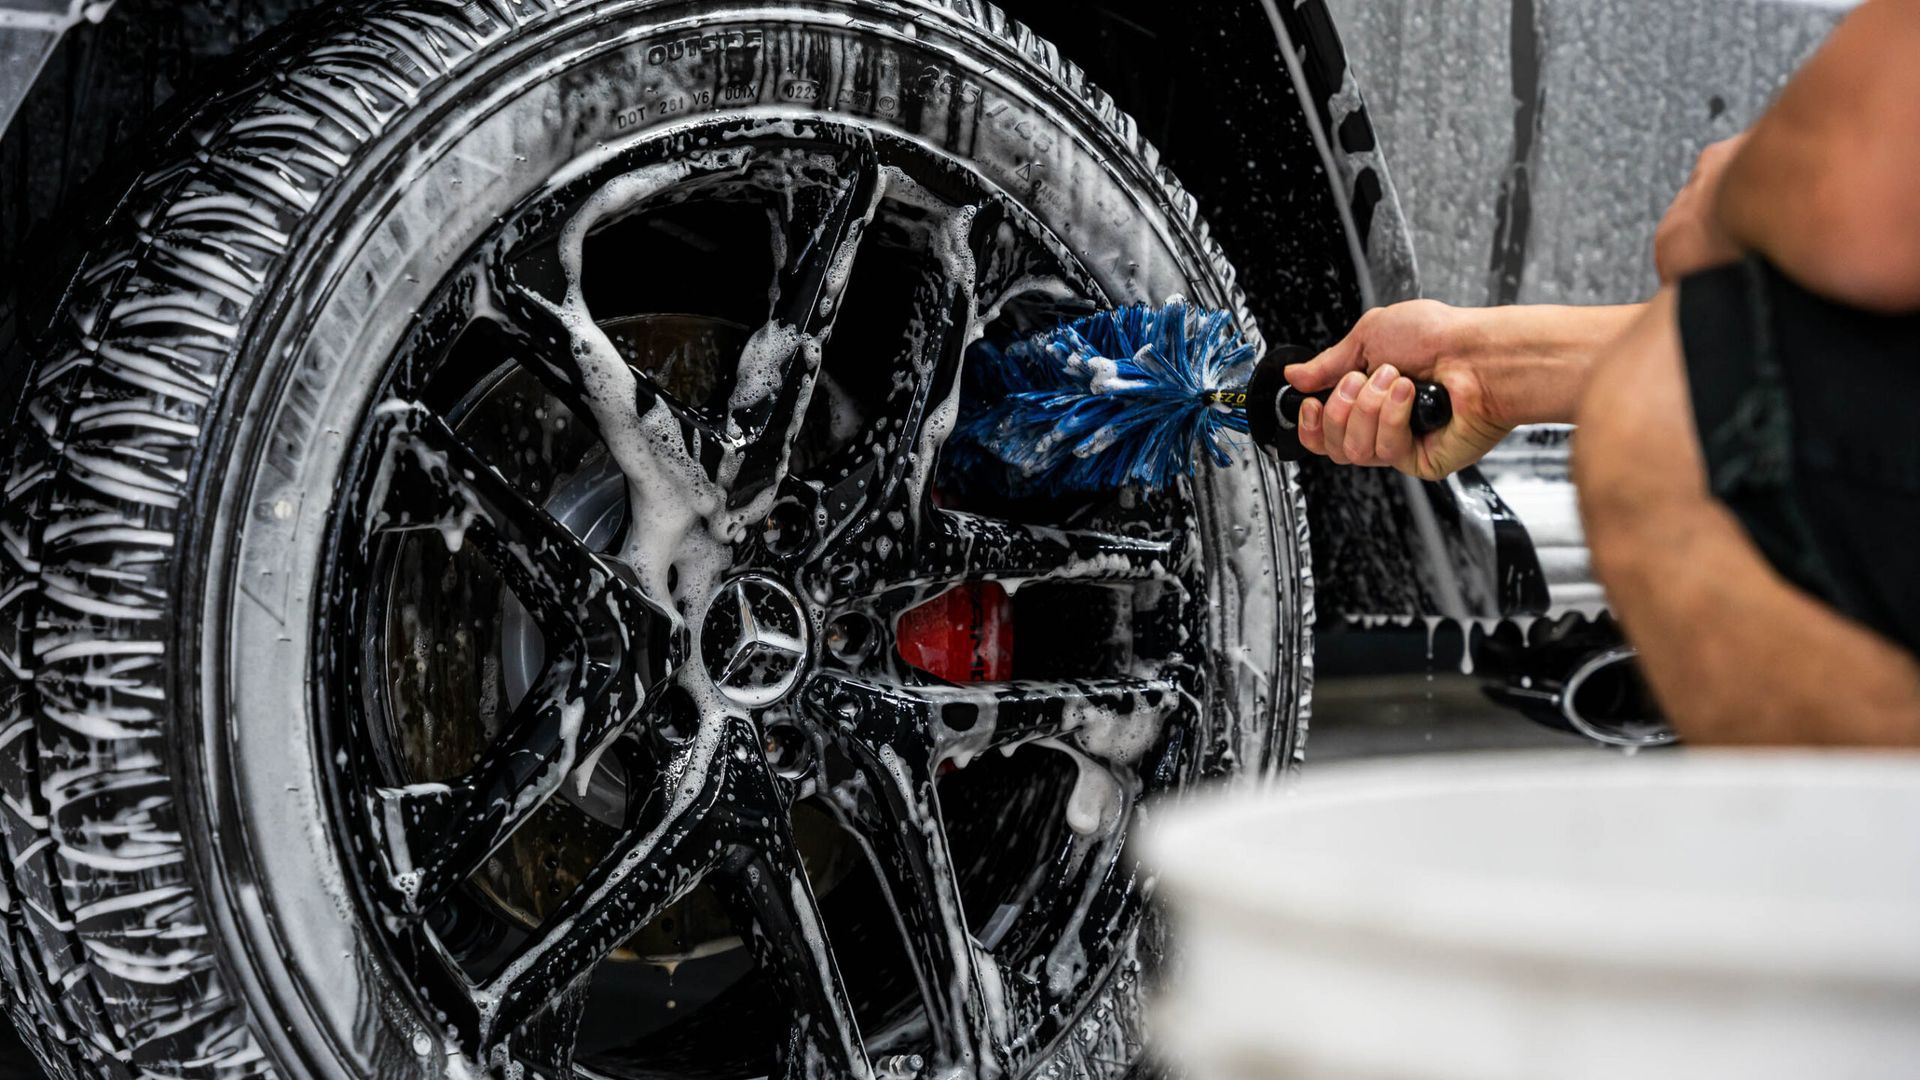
(1700, 915)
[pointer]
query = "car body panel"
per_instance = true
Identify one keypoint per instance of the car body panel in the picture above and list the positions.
(1536, 144)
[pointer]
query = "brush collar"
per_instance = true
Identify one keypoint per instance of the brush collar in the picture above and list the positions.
(1265, 422)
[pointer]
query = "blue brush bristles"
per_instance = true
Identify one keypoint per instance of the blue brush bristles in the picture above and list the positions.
(1116, 398)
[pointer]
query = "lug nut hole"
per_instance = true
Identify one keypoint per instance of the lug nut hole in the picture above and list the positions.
(848, 575)
(851, 637)
(679, 717)
(788, 751)
(788, 529)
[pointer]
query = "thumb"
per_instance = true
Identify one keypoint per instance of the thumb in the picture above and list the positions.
(1323, 371)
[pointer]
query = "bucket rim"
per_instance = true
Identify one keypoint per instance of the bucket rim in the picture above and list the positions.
(1273, 892)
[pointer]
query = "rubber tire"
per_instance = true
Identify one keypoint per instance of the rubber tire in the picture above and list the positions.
(130, 942)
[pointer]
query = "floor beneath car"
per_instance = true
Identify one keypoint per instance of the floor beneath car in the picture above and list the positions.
(1387, 715)
(1376, 695)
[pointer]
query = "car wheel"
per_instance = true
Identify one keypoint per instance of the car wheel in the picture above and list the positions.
(484, 597)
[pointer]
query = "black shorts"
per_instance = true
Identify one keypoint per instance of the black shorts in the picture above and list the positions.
(1809, 415)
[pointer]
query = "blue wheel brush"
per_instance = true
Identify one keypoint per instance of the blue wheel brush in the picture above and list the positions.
(1132, 396)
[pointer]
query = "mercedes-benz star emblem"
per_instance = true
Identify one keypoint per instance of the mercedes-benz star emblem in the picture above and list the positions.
(754, 641)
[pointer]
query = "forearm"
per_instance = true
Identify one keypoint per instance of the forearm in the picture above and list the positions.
(1736, 653)
(1503, 367)
(1533, 359)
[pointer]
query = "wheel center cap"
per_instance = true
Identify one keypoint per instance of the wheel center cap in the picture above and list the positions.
(754, 641)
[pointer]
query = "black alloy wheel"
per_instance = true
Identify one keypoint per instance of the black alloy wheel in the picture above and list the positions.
(571, 656)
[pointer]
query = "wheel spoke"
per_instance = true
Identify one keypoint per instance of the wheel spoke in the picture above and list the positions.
(548, 1040)
(438, 834)
(658, 441)
(433, 480)
(656, 861)
(880, 488)
(828, 201)
(1111, 719)
(1090, 883)
(959, 547)
(885, 796)
(774, 907)
(575, 360)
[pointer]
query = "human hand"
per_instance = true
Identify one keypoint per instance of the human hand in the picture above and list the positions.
(1368, 419)
(1690, 236)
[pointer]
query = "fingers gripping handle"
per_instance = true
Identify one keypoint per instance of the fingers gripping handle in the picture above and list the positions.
(1273, 405)
(1432, 406)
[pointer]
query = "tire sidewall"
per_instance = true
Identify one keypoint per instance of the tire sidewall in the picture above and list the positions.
(531, 104)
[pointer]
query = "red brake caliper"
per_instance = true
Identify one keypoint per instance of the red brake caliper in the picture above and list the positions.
(963, 635)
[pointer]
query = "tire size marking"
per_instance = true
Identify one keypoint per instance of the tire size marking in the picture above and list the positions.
(679, 103)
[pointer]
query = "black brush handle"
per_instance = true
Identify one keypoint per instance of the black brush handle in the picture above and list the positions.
(1432, 406)
(1273, 405)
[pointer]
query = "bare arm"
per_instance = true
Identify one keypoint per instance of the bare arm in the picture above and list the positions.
(1824, 186)
(1504, 366)
(1735, 652)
